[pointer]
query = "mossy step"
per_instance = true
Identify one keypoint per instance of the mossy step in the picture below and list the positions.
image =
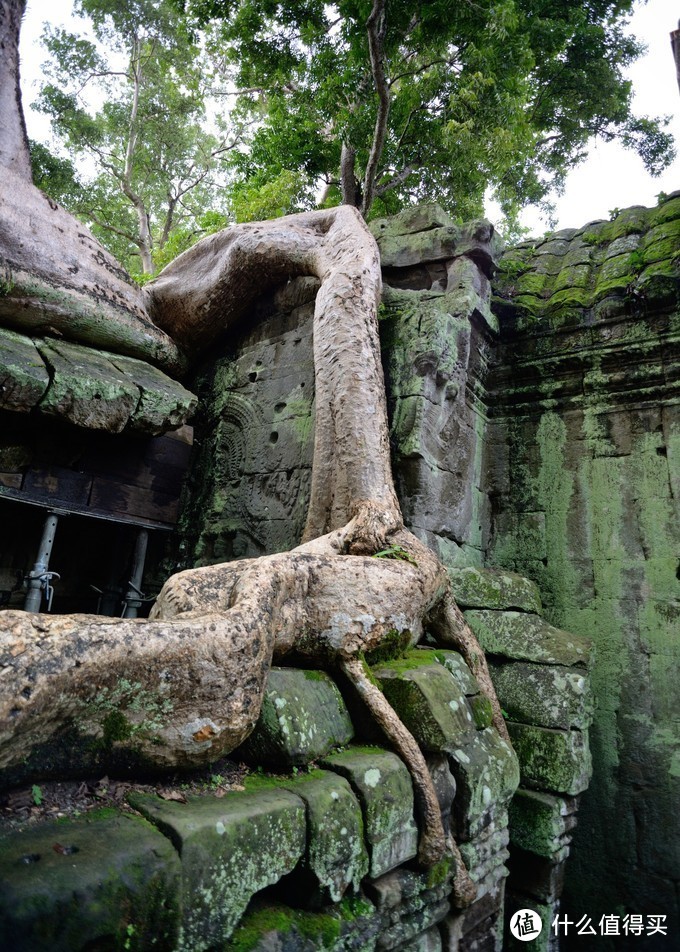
(89, 883)
(231, 848)
(303, 717)
(382, 785)
(526, 637)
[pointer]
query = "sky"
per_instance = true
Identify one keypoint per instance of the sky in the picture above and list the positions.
(611, 177)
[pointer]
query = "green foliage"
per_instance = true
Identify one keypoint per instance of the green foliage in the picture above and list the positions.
(395, 552)
(132, 102)
(37, 794)
(504, 93)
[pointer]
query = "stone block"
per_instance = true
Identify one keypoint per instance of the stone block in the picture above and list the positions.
(164, 404)
(545, 695)
(274, 927)
(23, 374)
(86, 884)
(382, 784)
(430, 941)
(86, 388)
(454, 663)
(540, 877)
(231, 848)
(539, 822)
(303, 717)
(494, 588)
(554, 760)
(525, 637)
(428, 700)
(487, 775)
(336, 858)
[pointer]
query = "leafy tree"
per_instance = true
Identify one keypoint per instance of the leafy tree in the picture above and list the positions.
(388, 102)
(135, 103)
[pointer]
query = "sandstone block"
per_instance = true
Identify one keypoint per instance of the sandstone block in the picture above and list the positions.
(494, 588)
(454, 663)
(86, 388)
(231, 848)
(336, 857)
(382, 784)
(303, 717)
(539, 822)
(164, 404)
(545, 695)
(88, 883)
(23, 374)
(487, 775)
(428, 700)
(527, 637)
(554, 760)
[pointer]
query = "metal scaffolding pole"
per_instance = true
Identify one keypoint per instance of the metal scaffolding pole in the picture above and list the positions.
(40, 578)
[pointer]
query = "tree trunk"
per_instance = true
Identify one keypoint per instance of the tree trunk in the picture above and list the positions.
(14, 154)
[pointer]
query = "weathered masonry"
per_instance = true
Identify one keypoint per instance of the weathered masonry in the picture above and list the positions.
(535, 448)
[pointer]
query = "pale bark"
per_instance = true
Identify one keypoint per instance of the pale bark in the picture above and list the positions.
(14, 154)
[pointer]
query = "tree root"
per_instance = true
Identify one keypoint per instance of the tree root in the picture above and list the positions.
(433, 843)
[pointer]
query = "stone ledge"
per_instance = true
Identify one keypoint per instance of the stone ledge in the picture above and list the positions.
(494, 588)
(382, 785)
(231, 848)
(88, 883)
(89, 388)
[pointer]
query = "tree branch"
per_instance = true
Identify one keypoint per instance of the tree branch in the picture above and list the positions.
(376, 28)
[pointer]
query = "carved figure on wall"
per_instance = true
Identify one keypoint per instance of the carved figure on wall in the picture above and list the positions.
(184, 687)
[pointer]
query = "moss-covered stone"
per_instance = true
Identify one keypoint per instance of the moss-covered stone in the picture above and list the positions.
(336, 858)
(86, 388)
(303, 716)
(554, 760)
(429, 701)
(525, 637)
(546, 695)
(487, 775)
(537, 822)
(350, 924)
(454, 663)
(23, 374)
(164, 404)
(231, 848)
(494, 588)
(106, 883)
(382, 784)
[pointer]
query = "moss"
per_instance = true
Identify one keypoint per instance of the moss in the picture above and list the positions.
(438, 874)
(392, 645)
(315, 676)
(115, 727)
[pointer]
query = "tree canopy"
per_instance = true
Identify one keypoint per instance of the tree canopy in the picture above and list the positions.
(375, 103)
(389, 102)
(134, 102)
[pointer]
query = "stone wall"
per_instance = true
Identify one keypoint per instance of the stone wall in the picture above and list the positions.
(583, 478)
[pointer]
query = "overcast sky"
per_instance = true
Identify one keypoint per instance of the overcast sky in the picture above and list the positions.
(611, 177)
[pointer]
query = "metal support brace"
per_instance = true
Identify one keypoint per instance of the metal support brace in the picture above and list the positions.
(134, 597)
(39, 579)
